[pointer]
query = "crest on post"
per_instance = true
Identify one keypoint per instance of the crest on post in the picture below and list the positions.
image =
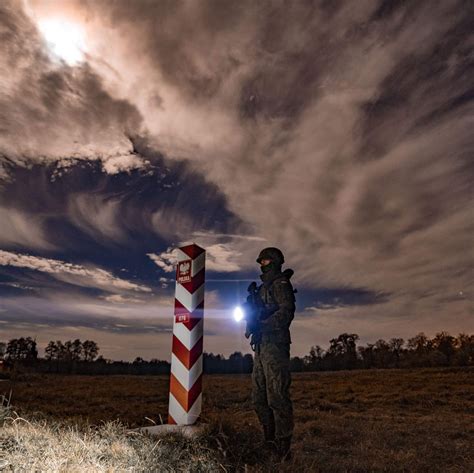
(184, 271)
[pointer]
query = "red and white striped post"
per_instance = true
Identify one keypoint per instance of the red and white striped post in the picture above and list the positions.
(186, 357)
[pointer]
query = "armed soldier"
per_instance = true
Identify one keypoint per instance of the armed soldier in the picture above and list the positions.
(271, 342)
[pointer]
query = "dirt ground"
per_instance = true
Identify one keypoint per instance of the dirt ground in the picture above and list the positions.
(351, 421)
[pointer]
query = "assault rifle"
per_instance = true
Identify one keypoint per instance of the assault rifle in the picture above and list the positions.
(255, 310)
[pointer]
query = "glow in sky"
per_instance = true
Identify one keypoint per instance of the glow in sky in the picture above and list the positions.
(66, 40)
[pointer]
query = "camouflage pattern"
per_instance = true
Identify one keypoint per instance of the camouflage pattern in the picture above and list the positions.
(271, 389)
(277, 288)
(271, 377)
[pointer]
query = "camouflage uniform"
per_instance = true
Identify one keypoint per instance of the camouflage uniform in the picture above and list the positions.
(271, 372)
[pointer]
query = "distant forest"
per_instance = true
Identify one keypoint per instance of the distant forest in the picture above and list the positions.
(77, 357)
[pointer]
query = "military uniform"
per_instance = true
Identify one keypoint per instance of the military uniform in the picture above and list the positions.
(271, 371)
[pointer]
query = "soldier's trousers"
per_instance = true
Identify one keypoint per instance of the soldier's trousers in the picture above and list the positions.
(271, 381)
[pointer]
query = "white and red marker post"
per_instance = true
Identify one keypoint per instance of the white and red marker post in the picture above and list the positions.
(186, 357)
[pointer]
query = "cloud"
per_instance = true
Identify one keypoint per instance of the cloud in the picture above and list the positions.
(219, 257)
(231, 252)
(20, 229)
(120, 299)
(165, 260)
(18, 286)
(370, 178)
(341, 135)
(222, 258)
(112, 210)
(70, 273)
(341, 141)
(165, 282)
(116, 164)
(62, 310)
(97, 215)
(393, 318)
(227, 236)
(171, 222)
(49, 111)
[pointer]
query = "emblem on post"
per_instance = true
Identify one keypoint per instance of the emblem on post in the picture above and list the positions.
(184, 271)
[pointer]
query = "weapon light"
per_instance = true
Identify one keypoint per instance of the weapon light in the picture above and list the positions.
(238, 314)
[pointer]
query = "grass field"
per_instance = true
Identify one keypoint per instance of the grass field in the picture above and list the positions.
(356, 421)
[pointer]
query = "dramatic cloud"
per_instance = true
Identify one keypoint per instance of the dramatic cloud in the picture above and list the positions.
(50, 111)
(343, 132)
(71, 273)
(338, 131)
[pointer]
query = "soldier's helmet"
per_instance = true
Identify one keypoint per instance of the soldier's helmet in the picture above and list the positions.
(273, 254)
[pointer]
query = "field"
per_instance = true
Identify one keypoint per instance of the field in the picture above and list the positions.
(352, 421)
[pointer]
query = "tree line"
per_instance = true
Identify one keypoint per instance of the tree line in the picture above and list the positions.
(343, 353)
(419, 351)
(72, 356)
(25, 349)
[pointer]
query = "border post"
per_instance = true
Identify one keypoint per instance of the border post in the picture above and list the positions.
(186, 358)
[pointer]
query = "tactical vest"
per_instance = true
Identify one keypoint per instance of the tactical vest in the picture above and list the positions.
(265, 292)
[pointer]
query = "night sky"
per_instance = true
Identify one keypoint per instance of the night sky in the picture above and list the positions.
(340, 132)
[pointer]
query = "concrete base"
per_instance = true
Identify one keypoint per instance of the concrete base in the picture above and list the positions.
(188, 431)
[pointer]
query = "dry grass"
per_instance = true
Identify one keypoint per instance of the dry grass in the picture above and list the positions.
(46, 445)
(361, 421)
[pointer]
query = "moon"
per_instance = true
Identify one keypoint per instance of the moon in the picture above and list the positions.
(65, 39)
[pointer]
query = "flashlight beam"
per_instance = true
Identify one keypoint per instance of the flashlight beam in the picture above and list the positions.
(238, 314)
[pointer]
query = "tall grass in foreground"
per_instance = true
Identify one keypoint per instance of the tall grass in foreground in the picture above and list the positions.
(49, 446)
(5, 407)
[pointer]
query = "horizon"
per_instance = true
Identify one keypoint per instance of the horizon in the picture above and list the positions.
(404, 346)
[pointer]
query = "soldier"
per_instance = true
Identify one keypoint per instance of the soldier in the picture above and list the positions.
(271, 370)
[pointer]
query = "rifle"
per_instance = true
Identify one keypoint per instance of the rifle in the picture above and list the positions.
(256, 310)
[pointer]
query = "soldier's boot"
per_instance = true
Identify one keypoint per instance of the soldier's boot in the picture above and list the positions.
(283, 448)
(269, 433)
(269, 439)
